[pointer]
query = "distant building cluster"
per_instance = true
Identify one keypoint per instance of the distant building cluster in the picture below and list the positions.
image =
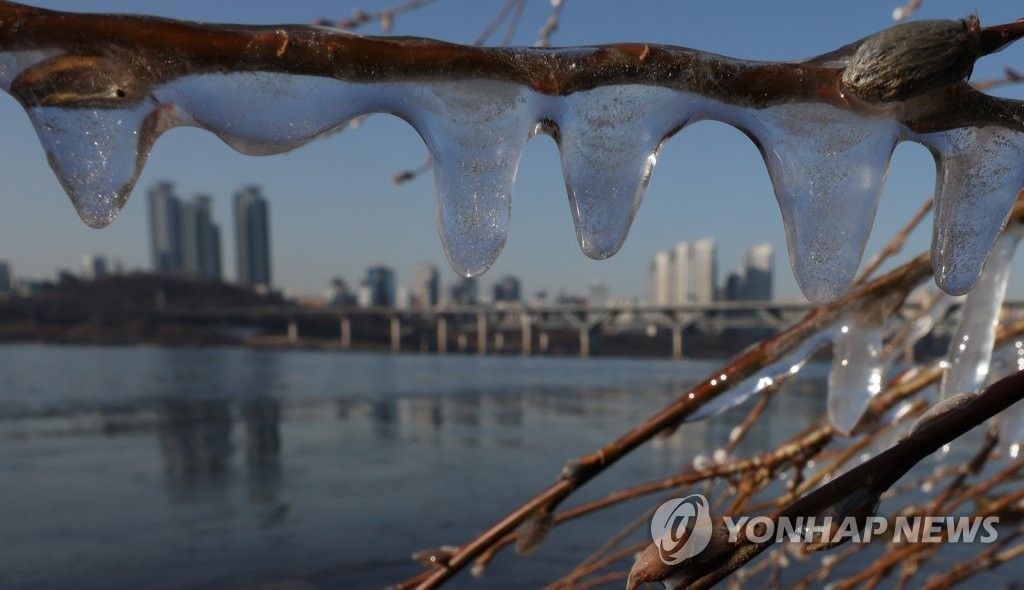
(185, 238)
(688, 274)
(380, 288)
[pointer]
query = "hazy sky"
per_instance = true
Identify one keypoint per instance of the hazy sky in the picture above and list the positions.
(334, 210)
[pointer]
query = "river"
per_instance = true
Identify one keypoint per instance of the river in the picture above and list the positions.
(163, 468)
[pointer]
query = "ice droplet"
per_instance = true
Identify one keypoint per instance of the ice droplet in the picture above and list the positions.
(828, 167)
(97, 154)
(857, 369)
(970, 348)
(609, 139)
(476, 133)
(980, 172)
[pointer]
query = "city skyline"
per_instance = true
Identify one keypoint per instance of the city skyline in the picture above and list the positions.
(687, 273)
(337, 212)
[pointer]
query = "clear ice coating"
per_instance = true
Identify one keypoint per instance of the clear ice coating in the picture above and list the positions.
(940, 304)
(828, 167)
(980, 172)
(970, 348)
(827, 164)
(785, 368)
(857, 369)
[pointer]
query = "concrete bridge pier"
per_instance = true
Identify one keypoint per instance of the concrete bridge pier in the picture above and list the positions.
(293, 331)
(346, 333)
(481, 333)
(442, 334)
(396, 334)
(526, 323)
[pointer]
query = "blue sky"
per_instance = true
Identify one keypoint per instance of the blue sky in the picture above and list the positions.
(335, 211)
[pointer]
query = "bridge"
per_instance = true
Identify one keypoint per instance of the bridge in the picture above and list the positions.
(505, 327)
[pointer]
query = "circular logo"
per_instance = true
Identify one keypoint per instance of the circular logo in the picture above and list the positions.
(681, 528)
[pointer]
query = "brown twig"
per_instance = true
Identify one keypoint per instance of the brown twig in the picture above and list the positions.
(551, 25)
(856, 490)
(901, 13)
(94, 69)
(896, 244)
(385, 17)
(990, 558)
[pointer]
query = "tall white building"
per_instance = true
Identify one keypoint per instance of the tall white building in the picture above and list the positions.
(757, 273)
(703, 275)
(681, 291)
(660, 279)
(94, 266)
(597, 295)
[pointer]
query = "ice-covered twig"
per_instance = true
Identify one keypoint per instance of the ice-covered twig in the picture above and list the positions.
(100, 89)
(867, 482)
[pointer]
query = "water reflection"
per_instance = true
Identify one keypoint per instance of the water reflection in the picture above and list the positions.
(195, 440)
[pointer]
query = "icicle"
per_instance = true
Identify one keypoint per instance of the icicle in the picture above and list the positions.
(1007, 359)
(785, 368)
(828, 167)
(97, 154)
(476, 132)
(857, 369)
(970, 349)
(609, 139)
(980, 172)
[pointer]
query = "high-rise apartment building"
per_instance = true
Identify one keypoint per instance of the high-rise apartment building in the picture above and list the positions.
(183, 235)
(426, 286)
(597, 294)
(380, 280)
(688, 273)
(703, 270)
(200, 238)
(165, 228)
(94, 266)
(660, 279)
(252, 237)
(681, 291)
(507, 289)
(757, 273)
